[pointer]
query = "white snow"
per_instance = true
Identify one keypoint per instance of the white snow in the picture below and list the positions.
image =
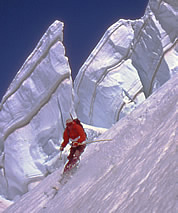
(135, 172)
(107, 73)
(135, 56)
(4, 204)
(33, 113)
(132, 60)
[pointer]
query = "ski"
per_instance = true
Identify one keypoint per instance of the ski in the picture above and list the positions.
(65, 177)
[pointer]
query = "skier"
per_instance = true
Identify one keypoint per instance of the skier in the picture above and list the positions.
(75, 132)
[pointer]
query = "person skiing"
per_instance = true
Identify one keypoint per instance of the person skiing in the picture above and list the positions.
(74, 132)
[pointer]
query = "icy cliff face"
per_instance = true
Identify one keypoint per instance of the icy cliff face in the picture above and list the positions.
(132, 60)
(33, 112)
(135, 172)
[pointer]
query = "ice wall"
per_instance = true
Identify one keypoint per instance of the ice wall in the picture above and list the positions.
(33, 114)
(132, 59)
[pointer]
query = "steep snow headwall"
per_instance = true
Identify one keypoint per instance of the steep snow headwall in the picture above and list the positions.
(33, 112)
(135, 172)
(132, 57)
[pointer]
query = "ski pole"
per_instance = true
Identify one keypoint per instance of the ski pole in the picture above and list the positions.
(71, 116)
(88, 142)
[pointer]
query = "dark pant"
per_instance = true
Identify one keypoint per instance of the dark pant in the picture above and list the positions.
(74, 149)
(73, 157)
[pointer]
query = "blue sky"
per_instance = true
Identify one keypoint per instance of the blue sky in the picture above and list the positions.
(23, 22)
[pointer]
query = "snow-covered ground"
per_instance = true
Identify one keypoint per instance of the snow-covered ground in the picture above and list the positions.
(132, 60)
(133, 173)
(4, 204)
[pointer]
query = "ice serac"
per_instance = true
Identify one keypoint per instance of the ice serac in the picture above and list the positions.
(135, 172)
(32, 114)
(155, 54)
(111, 81)
(133, 59)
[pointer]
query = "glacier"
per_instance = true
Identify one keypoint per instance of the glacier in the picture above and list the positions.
(135, 172)
(133, 59)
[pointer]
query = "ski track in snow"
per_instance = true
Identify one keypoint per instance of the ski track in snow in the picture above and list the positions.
(127, 188)
(141, 179)
(133, 173)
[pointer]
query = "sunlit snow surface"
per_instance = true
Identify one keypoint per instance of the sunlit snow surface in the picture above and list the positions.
(132, 60)
(135, 172)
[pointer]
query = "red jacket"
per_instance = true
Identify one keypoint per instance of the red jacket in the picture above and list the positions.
(73, 131)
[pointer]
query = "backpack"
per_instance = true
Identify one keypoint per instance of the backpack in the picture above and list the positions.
(77, 121)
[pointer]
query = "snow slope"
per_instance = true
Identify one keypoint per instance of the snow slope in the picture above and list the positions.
(132, 60)
(4, 204)
(135, 172)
